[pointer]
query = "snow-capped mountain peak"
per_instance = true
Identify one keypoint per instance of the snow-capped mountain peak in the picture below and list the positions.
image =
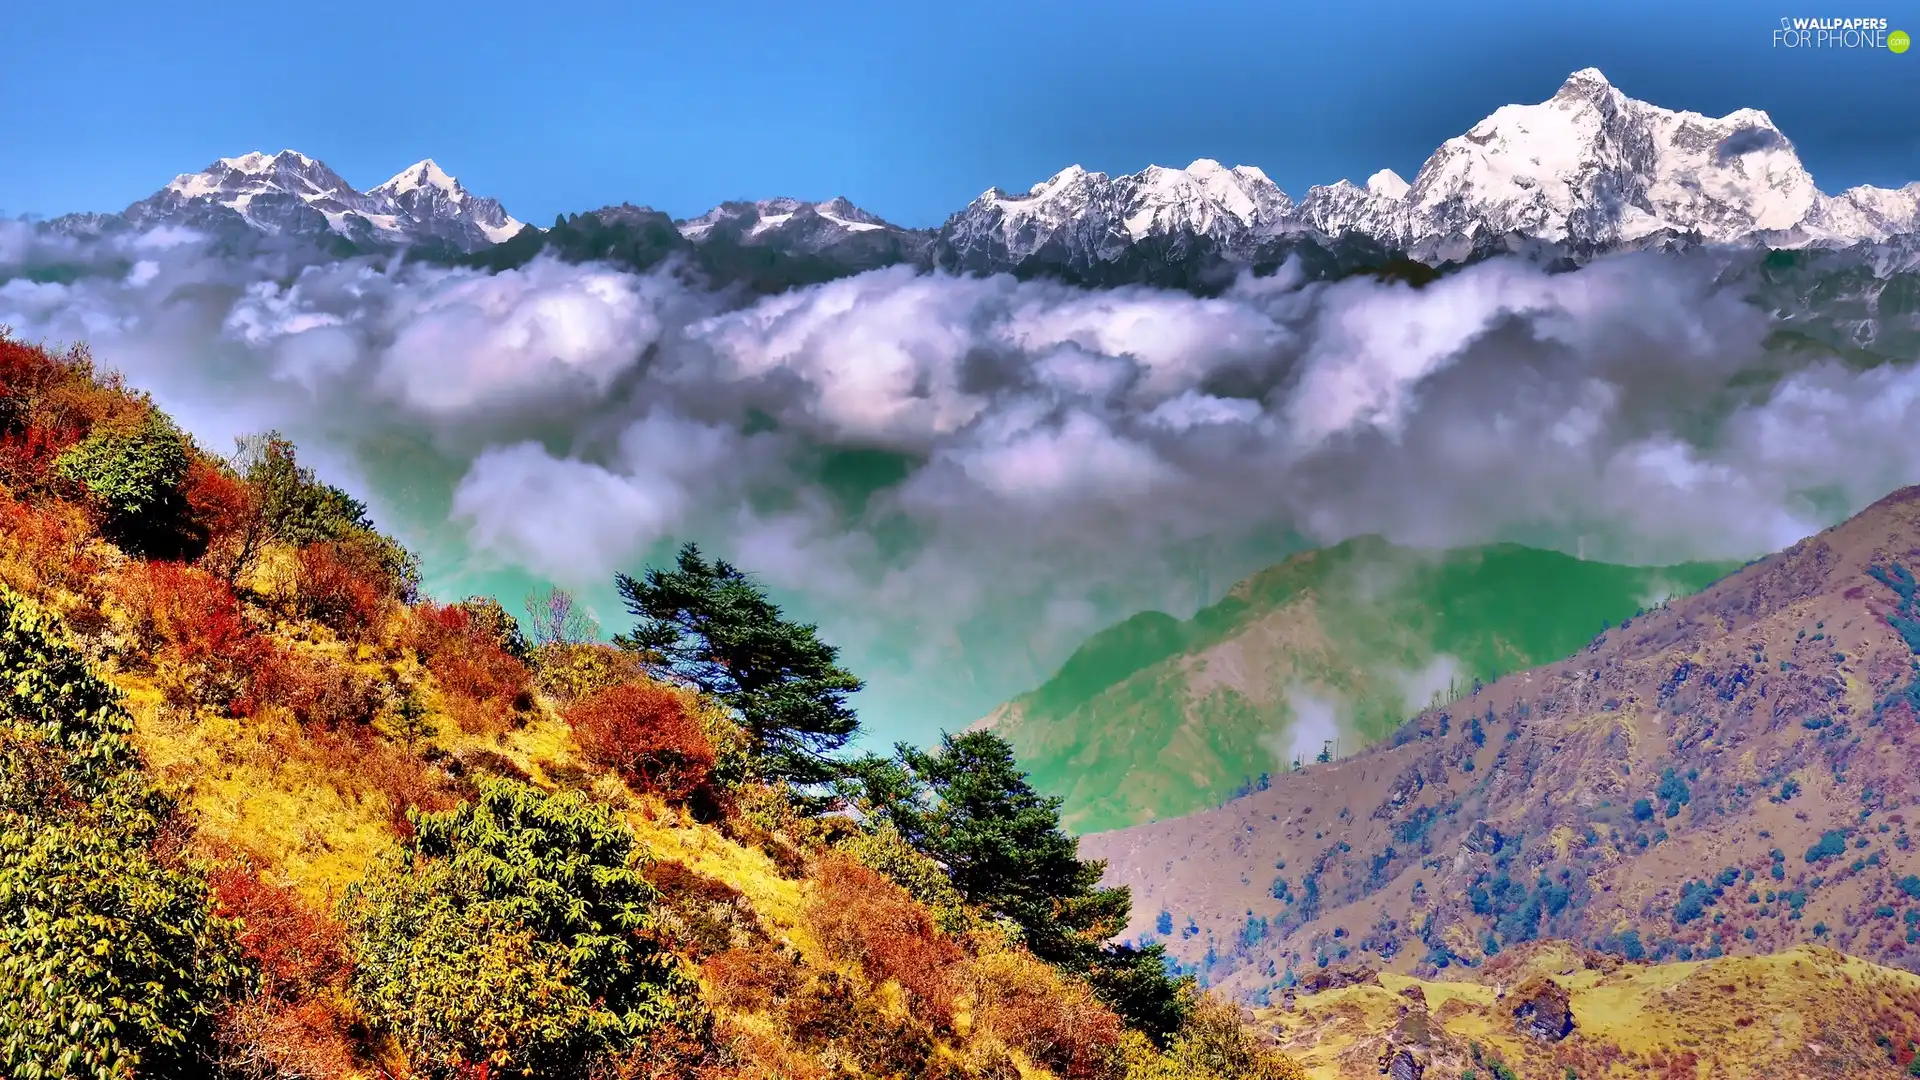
(425, 173)
(291, 193)
(790, 223)
(1587, 169)
(1588, 166)
(1590, 84)
(1387, 184)
(437, 205)
(1083, 213)
(256, 173)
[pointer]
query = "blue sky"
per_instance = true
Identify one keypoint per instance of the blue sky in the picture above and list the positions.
(909, 109)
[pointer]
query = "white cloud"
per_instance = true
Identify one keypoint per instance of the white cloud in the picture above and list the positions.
(961, 477)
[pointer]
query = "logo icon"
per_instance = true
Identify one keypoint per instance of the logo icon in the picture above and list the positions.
(1898, 41)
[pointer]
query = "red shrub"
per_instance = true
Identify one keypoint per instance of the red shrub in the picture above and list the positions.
(285, 1026)
(189, 619)
(465, 658)
(647, 733)
(28, 441)
(331, 587)
(862, 916)
(227, 511)
(318, 691)
(188, 613)
(299, 950)
(48, 403)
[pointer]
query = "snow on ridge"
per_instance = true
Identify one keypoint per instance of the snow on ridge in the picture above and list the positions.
(1589, 165)
(421, 201)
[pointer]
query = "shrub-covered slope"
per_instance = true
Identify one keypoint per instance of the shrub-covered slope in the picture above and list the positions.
(267, 812)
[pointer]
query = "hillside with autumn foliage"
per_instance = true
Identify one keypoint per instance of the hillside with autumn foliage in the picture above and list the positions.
(267, 811)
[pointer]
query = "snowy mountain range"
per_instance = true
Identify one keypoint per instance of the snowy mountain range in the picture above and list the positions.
(1589, 167)
(291, 194)
(1588, 170)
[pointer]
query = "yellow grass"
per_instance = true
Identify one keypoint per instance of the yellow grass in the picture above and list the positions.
(1737, 1013)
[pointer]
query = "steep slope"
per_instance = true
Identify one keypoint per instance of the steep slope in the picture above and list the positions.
(265, 812)
(1731, 773)
(1156, 718)
(1804, 1012)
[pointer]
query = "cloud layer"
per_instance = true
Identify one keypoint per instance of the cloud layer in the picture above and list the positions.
(960, 478)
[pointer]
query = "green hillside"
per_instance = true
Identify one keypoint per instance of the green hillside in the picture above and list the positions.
(1155, 717)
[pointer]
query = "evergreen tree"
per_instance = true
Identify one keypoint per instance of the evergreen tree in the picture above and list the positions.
(709, 625)
(969, 807)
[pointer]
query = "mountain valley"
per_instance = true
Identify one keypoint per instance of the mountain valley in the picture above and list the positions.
(1729, 774)
(1158, 718)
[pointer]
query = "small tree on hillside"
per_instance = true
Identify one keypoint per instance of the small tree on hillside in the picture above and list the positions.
(969, 807)
(553, 618)
(708, 625)
(284, 502)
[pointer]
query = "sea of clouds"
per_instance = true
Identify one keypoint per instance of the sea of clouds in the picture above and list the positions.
(960, 478)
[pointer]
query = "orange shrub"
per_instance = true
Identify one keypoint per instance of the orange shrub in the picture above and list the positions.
(187, 618)
(647, 732)
(465, 658)
(862, 916)
(51, 542)
(264, 1037)
(318, 691)
(750, 979)
(331, 587)
(299, 950)
(360, 763)
(1055, 1021)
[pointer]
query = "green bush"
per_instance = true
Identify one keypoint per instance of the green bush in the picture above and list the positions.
(134, 476)
(514, 931)
(111, 963)
(492, 619)
(298, 509)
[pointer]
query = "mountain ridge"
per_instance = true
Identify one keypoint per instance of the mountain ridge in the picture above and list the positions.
(1588, 170)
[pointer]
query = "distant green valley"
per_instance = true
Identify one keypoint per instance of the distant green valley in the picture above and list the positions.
(1155, 717)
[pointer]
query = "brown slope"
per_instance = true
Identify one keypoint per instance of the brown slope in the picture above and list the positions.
(1786, 677)
(1547, 1010)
